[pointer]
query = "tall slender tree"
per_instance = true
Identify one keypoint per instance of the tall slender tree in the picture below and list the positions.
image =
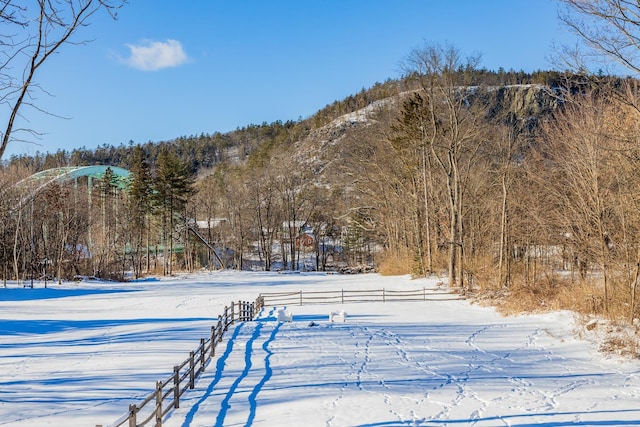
(140, 192)
(451, 131)
(173, 186)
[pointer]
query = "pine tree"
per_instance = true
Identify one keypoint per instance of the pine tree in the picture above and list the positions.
(140, 204)
(172, 190)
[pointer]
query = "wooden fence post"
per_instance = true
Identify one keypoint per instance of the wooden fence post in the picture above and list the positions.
(233, 310)
(342, 295)
(220, 328)
(192, 363)
(159, 404)
(300, 297)
(213, 341)
(383, 298)
(133, 411)
(226, 317)
(201, 354)
(176, 387)
(260, 303)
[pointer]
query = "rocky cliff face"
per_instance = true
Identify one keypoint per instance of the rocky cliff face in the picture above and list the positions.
(522, 106)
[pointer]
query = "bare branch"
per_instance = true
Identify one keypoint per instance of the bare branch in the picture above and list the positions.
(32, 36)
(610, 29)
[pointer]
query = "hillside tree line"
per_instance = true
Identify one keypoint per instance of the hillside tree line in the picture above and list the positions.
(502, 181)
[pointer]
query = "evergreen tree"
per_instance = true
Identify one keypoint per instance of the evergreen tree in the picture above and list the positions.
(172, 190)
(106, 258)
(140, 204)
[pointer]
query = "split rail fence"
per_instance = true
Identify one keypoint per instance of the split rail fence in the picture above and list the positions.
(167, 393)
(343, 296)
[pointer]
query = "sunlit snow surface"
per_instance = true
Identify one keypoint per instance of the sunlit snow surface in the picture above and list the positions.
(79, 354)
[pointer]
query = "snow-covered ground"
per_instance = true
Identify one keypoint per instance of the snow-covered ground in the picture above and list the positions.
(79, 354)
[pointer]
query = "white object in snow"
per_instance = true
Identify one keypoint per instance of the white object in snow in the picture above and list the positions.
(285, 316)
(338, 316)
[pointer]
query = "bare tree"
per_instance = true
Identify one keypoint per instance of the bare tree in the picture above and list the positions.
(294, 187)
(411, 143)
(379, 177)
(610, 29)
(264, 202)
(30, 35)
(592, 176)
(451, 131)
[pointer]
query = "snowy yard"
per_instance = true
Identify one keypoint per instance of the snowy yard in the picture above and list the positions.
(79, 354)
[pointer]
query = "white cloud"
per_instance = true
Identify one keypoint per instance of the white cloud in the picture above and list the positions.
(153, 55)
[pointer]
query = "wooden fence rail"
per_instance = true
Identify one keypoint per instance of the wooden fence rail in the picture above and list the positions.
(166, 396)
(357, 295)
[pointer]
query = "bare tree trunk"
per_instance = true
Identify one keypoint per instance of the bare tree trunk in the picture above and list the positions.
(56, 23)
(503, 276)
(427, 211)
(16, 268)
(634, 287)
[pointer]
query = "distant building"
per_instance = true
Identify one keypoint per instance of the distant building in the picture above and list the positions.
(207, 224)
(305, 240)
(302, 232)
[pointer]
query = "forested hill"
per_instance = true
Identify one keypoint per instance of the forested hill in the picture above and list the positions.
(202, 152)
(500, 180)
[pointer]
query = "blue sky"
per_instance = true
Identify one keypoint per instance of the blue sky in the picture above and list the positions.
(227, 64)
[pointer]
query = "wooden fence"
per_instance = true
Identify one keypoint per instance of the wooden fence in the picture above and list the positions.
(168, 391)
(361, 295)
